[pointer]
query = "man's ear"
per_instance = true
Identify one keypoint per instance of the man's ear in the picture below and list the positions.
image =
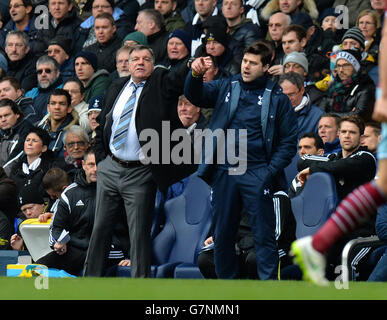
(320, 152)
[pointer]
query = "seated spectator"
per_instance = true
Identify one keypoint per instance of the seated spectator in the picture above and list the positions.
(59, 48)
(172, 17)
(310, 143)
(123, 21)
(298, 63)
(135, 38)
(352, 92)
(35, 161)
(290, 7)
(368, 22)
(151, 23)
(372, 136)
(95, 108)
(95, 81)
(77, 92)
(9, 206)
(107, 42)
(13, 131)
(61, 117)
(32, 205)
(22, 19)
(21, 63)
(294, 39)
(190, 115)
(328, 130)
(242, 31)
(63, 21)
(49, 79)
(178, 49)
(10, 88)
(122, 63)
(76, 142)
(308, 115)
(327, 21)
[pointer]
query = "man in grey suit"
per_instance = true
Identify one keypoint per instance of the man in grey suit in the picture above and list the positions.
(131, 105)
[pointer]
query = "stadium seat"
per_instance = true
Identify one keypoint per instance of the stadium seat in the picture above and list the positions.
(313, 206)
(188, 221)
(35, 235)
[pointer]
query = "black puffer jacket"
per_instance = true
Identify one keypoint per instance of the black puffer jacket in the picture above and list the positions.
(75, 213)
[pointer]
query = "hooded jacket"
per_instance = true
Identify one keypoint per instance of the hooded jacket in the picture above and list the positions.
(97, 84)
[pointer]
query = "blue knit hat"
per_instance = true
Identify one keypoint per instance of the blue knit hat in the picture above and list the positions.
(183, 36)
(89, 56)
(95, 103)
(3, 63)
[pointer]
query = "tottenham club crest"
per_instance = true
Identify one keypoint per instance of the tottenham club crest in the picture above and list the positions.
(259, 100)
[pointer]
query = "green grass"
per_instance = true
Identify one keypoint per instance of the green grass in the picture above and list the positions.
(170, 289)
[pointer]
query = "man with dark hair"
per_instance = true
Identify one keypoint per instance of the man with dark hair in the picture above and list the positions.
(60, 117)
(59, 48)
(151, 23)
(372, 136)
(308, 115)
(172, 17)
(293, 39)
(125, 172)
(328, 130)
(48, 74)
(107, 42)
(245, 100)
(55, 181)
(13, 130)
(10, 88)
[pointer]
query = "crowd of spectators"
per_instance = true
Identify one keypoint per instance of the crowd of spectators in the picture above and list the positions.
(55, 69)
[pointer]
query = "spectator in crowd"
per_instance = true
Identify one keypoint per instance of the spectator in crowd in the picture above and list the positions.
(9, 206)
(277, 24)
(32, 205)
(294, 39)
(22, 19)
(329, 25)
(122, 63)
(368, 22)
(61, 117)
(242, 31)
(229, 190)
(204, 9)
(34, 162)
(172, 17)
(328, 130)
(134, 38)
(10, 88)
(63, 21)
(310, 143)
(107, 42)
(308, 115)
(122, 173)
(124, 21)
(49, 79)
(95, 81)
(59, 48)
(297, 62)
(354, 7)
(290, 7)
(372, 136)
(75, 219)
(13, 130)
(21, 63)
(352, 92)
(178, 49)
(77, 92)
(76, 142)
(190, 115)
(151, 23)
(95, 108)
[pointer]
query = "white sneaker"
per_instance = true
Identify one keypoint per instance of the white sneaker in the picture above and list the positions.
(311, 262)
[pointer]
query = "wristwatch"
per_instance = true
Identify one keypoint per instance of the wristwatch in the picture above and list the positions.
(189, 62)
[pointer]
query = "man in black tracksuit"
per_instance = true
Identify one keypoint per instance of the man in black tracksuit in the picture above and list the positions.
(75, 214)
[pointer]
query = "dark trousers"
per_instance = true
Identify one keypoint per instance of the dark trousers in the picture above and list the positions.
(135, 186)
(230, 192)
(72, 261)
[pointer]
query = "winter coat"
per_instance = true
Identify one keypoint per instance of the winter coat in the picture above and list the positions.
(24, 71)
(26, 105)
(97, 84)
(307, 6)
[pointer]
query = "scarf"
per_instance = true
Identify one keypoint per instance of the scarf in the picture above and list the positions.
(340, 89)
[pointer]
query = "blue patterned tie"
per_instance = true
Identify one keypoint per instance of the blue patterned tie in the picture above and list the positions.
(123, 124)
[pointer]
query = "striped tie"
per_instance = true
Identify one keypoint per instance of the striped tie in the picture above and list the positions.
(123, 124)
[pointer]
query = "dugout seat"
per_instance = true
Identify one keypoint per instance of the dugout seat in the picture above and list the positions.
(35, 235)
(188, 220)
(316, 202)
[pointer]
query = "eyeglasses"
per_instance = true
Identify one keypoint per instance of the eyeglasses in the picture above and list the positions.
(40, 71)
(367, 23)
(78, 143)
(16, 6)
(345, 66)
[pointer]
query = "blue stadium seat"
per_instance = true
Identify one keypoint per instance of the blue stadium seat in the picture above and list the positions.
(313, 206)
(188, 221)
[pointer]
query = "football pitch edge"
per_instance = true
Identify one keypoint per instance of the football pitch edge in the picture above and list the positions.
(178, 289)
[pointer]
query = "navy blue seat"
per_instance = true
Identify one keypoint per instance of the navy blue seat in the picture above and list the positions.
(313, 206)
(188, 221)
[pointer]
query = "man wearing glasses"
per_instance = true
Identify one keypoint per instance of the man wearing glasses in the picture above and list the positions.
(48, 76)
